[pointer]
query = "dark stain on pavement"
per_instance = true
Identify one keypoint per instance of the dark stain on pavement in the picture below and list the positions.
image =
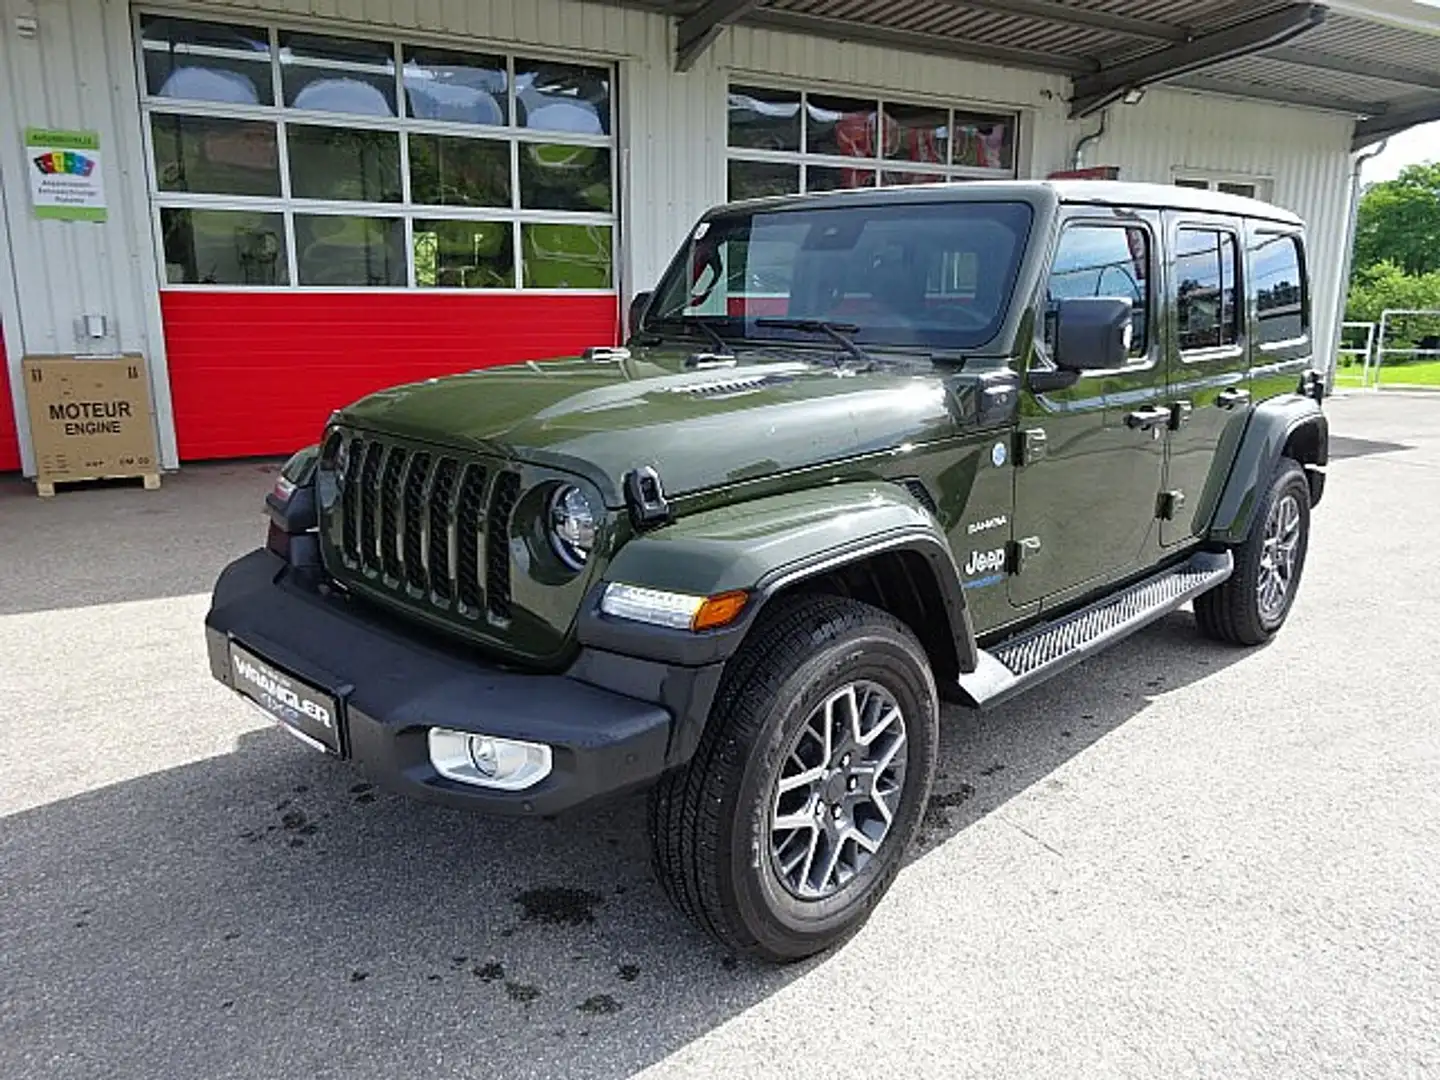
(599, 1005)
(558, 906)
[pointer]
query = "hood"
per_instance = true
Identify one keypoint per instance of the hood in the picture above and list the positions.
(701, 429)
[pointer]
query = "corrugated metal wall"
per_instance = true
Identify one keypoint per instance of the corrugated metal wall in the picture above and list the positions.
(79, 72)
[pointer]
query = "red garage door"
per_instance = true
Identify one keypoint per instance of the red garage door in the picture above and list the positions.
(9, 437)
(340, 213)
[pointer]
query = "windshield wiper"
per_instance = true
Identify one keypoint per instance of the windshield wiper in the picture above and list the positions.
(836, 332)
(722, 347)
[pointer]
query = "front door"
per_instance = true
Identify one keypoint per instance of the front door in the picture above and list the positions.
(1209, 374)
(1092, 454)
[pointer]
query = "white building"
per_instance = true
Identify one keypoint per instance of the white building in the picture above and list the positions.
(304, 200)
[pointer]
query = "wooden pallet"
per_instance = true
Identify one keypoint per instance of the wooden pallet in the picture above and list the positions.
(46, 488)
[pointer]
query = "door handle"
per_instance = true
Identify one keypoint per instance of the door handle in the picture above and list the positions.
(1232, 399)
(1145, 419)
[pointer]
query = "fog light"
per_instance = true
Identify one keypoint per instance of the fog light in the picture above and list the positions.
(488, 761)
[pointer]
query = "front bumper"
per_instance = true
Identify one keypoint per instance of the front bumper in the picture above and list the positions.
(393, 684)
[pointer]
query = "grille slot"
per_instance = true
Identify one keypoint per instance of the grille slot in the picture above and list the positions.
(470, 521)
(390, 513)
(497, 576)
(415, 515)
(442, 521)
(350, 502)
(369, 509)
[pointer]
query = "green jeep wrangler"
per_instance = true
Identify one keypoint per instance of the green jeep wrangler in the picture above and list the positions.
(863, 452)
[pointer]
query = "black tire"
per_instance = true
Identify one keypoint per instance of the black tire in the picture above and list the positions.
(710, 823)
(1234, 612)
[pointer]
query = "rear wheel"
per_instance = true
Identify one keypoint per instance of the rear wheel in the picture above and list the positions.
(791, 821)
(1255, 601)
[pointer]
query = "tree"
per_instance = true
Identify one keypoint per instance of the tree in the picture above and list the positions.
(1399, 222)
(1384, 285)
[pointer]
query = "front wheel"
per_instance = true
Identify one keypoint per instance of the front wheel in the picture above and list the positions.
(791, 821)
(1255, 601)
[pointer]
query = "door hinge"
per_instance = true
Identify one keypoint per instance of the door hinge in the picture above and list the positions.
(1030, 446)
(1168, 505)
(1180, 414)
(1020, 553)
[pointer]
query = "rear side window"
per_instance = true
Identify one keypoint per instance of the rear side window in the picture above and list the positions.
(1111, 262)
(1277, 265)
(1207, 276)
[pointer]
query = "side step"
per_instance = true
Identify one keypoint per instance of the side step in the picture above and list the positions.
(1018, 664)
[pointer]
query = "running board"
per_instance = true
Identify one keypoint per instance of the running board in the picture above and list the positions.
(1018, 664)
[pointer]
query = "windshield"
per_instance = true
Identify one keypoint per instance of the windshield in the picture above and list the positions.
(937, 275)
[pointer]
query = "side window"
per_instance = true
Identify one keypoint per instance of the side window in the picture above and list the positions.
(1107, 261)
(1277, 264)
(1206, 303)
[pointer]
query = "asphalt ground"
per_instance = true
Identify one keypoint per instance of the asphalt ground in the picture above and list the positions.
(1176, 860)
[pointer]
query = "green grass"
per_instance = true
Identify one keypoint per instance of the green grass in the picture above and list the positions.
(1420, 373)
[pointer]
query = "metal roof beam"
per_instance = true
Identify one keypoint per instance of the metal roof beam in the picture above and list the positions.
(1350, 65)
(914, 41)
(698, 32)
(1058, 14)
(1281, 95)
(1375, 128)
(1094, 92)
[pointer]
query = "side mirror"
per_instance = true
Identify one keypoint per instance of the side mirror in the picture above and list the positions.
(637, 310)
(1092, 334)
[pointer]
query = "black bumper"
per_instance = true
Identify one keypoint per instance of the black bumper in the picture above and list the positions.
(393, 685)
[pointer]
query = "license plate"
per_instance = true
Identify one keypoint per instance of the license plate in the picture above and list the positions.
(308, 713)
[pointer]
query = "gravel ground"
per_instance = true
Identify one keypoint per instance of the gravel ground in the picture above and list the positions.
(1177, 860)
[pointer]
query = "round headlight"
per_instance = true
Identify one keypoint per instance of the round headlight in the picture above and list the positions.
(572, 526)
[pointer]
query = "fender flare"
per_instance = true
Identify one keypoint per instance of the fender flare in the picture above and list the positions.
(1274, 425)
(766, 546)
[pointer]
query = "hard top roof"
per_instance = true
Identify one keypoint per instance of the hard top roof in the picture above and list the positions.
(1069, 192)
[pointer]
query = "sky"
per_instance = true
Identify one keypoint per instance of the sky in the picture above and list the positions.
(1412, 147)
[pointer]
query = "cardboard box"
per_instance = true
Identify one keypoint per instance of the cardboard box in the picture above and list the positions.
(90, 419)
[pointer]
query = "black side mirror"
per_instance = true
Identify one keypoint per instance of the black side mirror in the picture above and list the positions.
(1092, 334)
(637, 311)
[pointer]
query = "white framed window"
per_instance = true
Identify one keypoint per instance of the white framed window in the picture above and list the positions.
(784, 141)
(1251, 187)
(287, 158)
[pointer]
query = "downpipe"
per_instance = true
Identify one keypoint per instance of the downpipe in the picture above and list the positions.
(1353, 218)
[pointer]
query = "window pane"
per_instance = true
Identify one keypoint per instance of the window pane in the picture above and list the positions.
(844, 126)
(560, 176)
(201, 61)
(338, 74)
(223, 247)
(984, 142)
(890, 178)
(1279, 287)
(917, 133)
(447, 171)
(460, 87)
(764, 119)
(825, 178)
(464, 254)
(1247, 190)
(208, 155)
(343, 163)
(1110, 262)
(1196, 185)
(566, 256)
(1197, 269)
(757, 179)
(562, 97)
(335, 250)
(1229, 277)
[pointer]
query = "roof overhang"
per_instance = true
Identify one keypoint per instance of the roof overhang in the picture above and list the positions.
(1377, 61)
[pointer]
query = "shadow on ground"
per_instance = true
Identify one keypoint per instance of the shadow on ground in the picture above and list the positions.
(110, 542)
(267, 913)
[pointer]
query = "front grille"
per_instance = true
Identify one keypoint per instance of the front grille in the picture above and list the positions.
(427, 526)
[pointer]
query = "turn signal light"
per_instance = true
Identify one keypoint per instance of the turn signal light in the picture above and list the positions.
(719, 611)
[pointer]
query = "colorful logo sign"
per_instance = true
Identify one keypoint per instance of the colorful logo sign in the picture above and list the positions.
(68, 181)
(66, 162)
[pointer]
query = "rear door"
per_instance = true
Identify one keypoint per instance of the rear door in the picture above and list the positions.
(1091, 454)
(1207, 369)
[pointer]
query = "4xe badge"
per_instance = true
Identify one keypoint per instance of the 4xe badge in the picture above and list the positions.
(985, 562)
